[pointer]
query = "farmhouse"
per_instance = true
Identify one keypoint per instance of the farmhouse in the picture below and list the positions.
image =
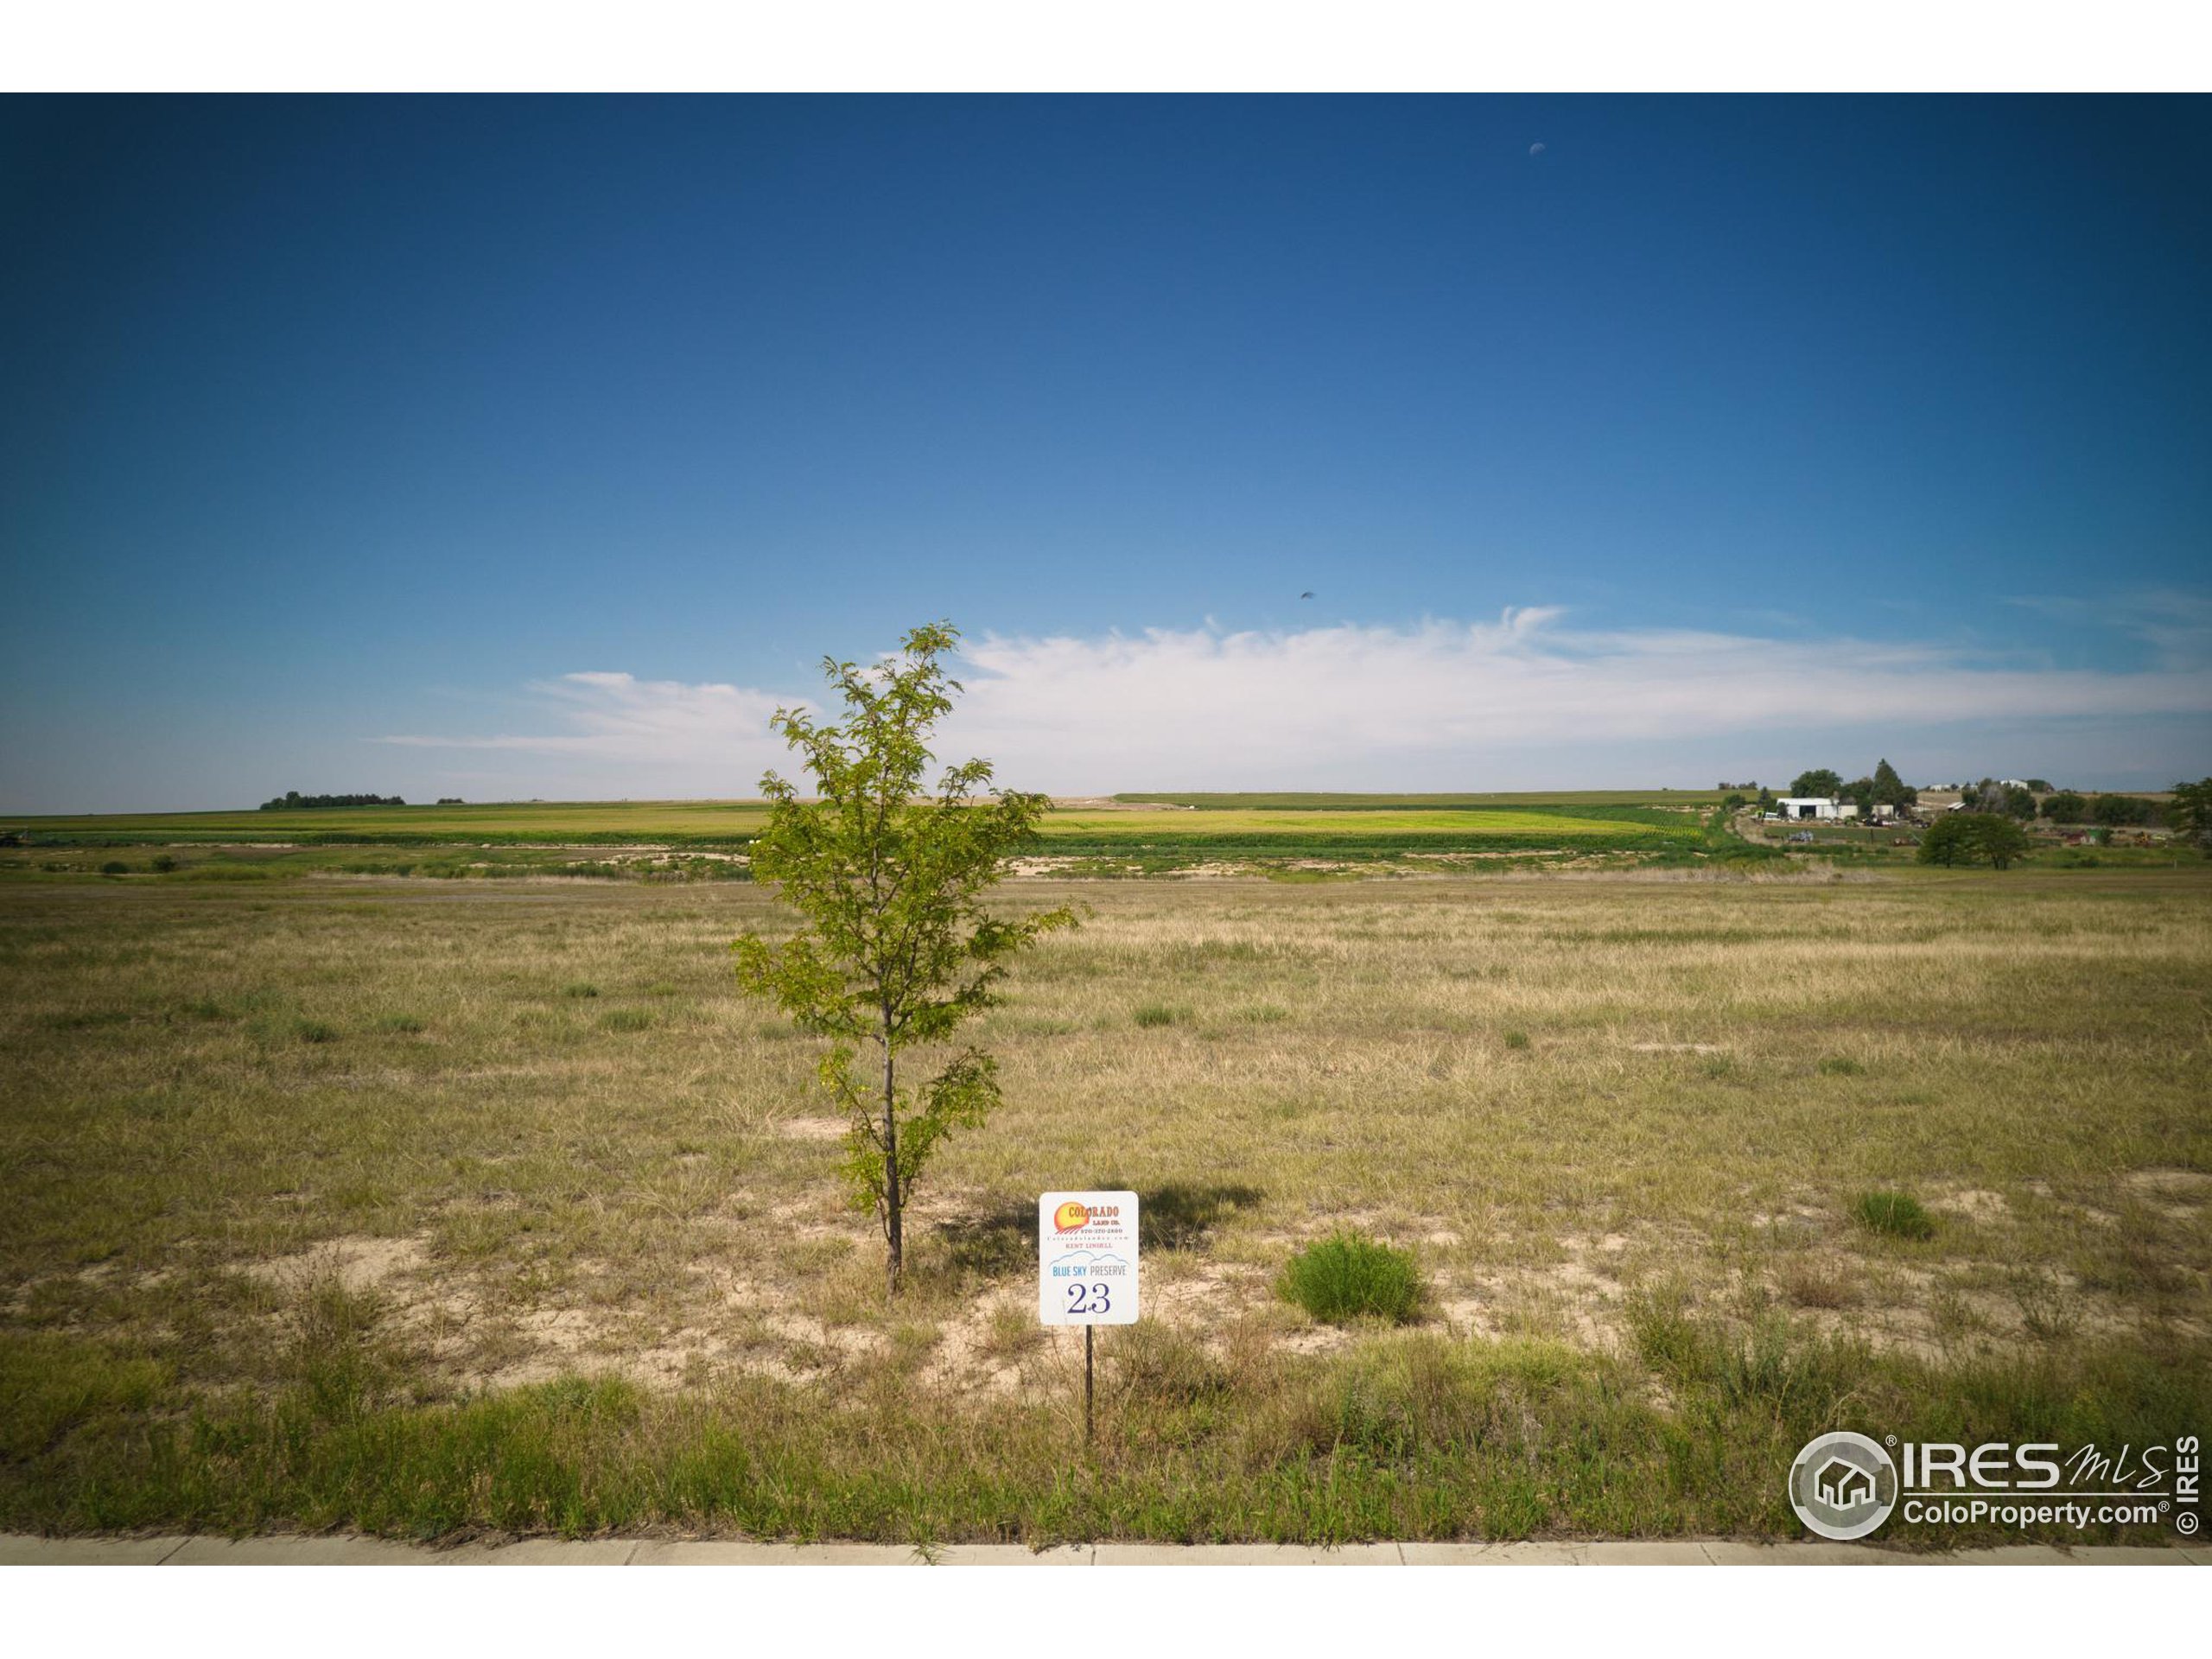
(1819, 807)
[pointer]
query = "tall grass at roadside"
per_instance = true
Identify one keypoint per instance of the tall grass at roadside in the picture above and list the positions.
(1416, 1436)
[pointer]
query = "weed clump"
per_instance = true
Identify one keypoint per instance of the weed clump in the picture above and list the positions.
(626, 1020)
(1838, 1065)
(1817, 1284)
(1516, 1040)
(1346, 1276)
(1898, 1214)
(1155, 1014)
(314, 1031)
(403, 1024)
(580, 987)
(1161, 1366)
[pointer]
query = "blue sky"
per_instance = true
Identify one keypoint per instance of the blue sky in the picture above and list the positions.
(537, 446)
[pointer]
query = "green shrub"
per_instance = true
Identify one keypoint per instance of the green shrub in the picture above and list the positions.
(1156, 1013)
(581, 987)
(1898, 1214)
(1959, 838)
(161, 864)
(115, 867)
(1516, 1040)
(1346, 1276)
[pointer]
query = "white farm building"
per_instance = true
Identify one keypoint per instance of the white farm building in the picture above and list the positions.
(1819, 808)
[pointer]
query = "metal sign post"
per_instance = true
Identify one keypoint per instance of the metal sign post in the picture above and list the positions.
(1087, 1270)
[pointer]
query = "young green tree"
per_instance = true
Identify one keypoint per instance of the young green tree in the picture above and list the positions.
(896, 949)
(1821, 781)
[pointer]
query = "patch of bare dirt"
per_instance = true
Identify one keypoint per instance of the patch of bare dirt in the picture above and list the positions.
(357, 1262)
(1208, 1298)
(1976, 1204)
(2193, 1185)
(974, 1353)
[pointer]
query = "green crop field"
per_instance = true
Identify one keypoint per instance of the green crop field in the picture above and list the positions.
(1706, 799)
(493, 839)
(718, 824)
(1372, 832)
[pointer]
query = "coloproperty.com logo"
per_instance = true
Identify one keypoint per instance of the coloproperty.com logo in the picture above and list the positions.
(1844, 1485)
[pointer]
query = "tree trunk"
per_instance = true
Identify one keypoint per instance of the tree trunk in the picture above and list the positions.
(894, 1227)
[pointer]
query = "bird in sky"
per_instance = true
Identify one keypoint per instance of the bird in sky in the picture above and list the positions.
(1308, 594)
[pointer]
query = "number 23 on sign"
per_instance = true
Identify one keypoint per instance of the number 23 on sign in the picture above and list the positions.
(1087, 1258)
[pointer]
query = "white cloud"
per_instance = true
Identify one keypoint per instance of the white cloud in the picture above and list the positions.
(621, 720)
(1526, 701)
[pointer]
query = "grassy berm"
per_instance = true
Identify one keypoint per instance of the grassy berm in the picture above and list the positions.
(433, 1208)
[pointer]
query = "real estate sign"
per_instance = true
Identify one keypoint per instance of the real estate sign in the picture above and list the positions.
(1087, 1258)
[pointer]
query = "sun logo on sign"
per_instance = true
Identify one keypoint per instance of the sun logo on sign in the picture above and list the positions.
(1069, 1217)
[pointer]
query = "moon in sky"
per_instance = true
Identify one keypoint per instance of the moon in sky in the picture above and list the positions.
(1535, 149)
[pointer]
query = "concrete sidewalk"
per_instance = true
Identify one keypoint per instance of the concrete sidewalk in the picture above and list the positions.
(22, 1550)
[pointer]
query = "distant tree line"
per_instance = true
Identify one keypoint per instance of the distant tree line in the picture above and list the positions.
(2005, 799)
(2036, 799)
(291, 800)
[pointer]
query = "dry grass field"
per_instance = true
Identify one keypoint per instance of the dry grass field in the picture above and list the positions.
(435, 1207)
